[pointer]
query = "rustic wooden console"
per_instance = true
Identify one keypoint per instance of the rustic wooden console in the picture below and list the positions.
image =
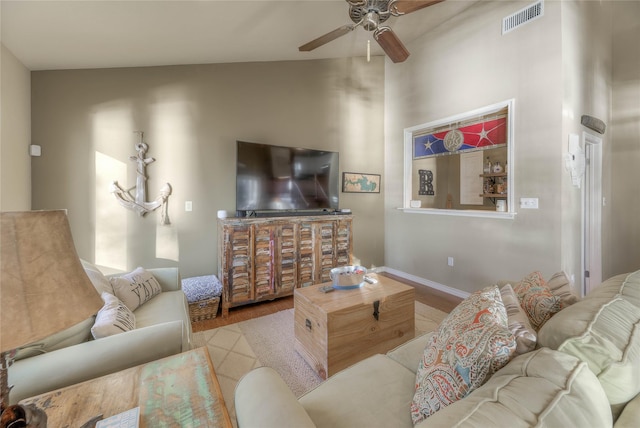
(266, 258)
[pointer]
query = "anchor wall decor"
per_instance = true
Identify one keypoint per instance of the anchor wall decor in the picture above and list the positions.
(138, 202)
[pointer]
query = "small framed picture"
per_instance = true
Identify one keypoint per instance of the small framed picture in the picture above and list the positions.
(357, 182)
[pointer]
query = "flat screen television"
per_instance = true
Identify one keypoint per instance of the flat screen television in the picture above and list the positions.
(275, 178)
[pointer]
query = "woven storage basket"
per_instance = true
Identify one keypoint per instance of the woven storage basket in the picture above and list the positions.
(204, 309)
(203, 294)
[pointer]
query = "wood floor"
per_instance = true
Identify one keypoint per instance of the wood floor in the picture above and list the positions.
(429, 296)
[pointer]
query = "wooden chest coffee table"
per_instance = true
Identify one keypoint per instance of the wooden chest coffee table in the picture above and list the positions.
(177, 391)
(335, 330)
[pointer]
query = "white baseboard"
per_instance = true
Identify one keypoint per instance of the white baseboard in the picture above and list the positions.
(435, 285)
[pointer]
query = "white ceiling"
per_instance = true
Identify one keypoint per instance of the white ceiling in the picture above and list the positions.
(49, 34)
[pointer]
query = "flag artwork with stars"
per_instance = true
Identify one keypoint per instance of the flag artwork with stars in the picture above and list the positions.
(483, 134)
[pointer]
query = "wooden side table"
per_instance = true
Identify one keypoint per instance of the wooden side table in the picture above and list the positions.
(337, 329)
(181, 390)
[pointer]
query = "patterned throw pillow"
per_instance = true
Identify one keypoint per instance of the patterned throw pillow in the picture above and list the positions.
(536, 299)
(519, 324)
(113, 318)
(135, 288)
(472, 343)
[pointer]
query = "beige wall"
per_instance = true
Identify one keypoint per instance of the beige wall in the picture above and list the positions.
(15, 162)
(580, 58)
(465, 64)
(192, 116)
(622, 233)
(586, 64)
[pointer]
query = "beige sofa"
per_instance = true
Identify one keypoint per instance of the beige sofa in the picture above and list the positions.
(163, 328)
(585, 372)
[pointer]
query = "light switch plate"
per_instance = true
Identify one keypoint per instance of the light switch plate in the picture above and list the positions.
(529, 203)
(188, 206)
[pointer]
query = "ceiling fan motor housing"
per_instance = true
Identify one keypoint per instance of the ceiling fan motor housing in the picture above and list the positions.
(371, 21)
(370, 13)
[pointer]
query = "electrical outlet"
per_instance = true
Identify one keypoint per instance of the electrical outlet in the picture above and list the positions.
(188, 206)
(529, 203)
(450, 261)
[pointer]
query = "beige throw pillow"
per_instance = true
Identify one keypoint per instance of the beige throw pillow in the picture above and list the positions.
(519, 324)
(97, 278)
(135, 288)
(560, 286)
(113, 318)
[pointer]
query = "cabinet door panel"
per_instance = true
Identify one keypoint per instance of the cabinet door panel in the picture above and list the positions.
(239, 257)
(286, 255)
(306, 259)
(343, 243)
(265, 236)
(325, 232)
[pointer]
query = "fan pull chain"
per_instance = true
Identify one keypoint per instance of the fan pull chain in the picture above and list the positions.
(368, 50)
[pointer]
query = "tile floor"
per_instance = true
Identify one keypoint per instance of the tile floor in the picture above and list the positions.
(232, 357)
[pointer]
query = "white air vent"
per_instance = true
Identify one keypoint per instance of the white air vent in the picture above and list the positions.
(521, 17)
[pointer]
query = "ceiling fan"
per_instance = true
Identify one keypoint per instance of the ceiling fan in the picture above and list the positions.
(370, 14)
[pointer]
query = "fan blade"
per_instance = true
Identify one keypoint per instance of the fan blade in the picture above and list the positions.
(391, 44)
(323, 40)
(402, 7)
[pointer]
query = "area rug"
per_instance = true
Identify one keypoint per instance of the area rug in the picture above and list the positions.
(272, 341)
(269, 341)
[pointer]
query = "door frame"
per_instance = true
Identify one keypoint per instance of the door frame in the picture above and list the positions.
(592, 202)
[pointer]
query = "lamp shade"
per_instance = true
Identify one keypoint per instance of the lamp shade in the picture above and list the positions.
(43, 286)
